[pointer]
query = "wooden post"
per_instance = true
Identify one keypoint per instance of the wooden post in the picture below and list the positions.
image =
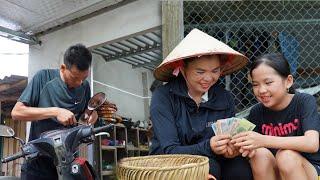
(172, 25)
(145, 94)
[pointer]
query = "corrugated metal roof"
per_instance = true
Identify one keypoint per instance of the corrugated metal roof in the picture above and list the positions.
(36, 16)
(140, 50)
(23, 20)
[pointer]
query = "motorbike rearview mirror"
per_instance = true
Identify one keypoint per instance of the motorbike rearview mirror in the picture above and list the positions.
(6, 131)
(96, 101)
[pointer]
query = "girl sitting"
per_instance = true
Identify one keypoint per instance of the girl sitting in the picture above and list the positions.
(285, 144)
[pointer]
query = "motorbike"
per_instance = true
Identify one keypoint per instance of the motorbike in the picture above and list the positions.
(62, 145)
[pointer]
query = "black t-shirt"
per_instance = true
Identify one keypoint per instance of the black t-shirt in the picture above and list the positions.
(47, 89)
(298, 117)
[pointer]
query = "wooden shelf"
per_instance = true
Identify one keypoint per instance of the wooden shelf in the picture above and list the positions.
(143, 149)
(132, 138)
(107, 173)
(133, 148)
(108, 147)
(120, 125)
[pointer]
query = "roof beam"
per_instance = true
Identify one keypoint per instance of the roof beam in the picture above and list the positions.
(153, 56)
(150, 64)
(156, 46)
(123, 60)
(18, 36)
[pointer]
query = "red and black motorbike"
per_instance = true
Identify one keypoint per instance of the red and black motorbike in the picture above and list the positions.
(62, 146)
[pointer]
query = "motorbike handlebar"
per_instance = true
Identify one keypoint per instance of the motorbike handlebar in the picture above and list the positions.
(100, 129)
(85, 133)
(88, 131)
(12, 157)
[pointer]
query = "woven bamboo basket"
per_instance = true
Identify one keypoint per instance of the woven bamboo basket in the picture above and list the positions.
(178, 166)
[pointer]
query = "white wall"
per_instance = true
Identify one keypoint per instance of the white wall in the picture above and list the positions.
(119, 75)
(123, 21)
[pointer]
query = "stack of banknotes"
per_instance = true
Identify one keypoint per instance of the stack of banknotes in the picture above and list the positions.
(232, 126)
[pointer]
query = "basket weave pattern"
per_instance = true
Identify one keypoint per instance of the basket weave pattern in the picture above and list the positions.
(187, 167)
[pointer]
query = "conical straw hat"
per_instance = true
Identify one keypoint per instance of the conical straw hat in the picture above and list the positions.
(196, 44)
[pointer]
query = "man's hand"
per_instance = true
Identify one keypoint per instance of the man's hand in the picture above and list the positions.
(219, 143)
(65, 117)
(93, 117)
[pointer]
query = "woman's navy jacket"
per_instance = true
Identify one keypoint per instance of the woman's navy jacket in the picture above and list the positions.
(180, 127)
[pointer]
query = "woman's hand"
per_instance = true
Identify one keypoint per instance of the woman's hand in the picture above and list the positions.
(210, 177)
(248, 140)
(232, 151)
(219, 143)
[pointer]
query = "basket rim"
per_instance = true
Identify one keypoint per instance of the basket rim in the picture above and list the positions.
(206, 160)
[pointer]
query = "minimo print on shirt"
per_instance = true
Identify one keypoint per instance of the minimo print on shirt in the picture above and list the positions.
(280, 129)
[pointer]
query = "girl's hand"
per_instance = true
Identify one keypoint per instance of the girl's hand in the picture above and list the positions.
(247, 153)
(248, 140)
(219, 143)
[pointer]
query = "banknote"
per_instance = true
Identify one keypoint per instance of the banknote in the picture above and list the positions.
(242, 125)
(214, 128)
(232, 122)
(249, 126)
(219, 129)
(232, 126)
(225, 126)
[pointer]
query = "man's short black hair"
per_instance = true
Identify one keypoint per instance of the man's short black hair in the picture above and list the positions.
(78, 55)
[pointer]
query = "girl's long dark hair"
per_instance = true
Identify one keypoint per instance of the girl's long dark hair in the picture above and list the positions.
(275, 61)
